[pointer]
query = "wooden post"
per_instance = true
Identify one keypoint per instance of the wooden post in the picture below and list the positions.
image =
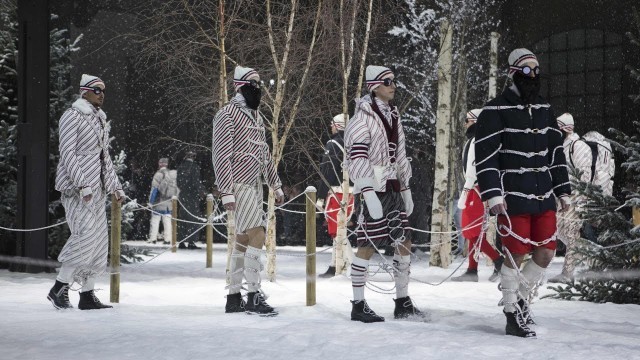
(231, 238)
(116, 226)
(636, 216)
(174, 223)
(441, 214)
(311, 245)
(493, 65)
(209, 231)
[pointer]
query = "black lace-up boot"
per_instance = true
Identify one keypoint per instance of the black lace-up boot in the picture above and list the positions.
(406, 309)
(256, 304)
(89, 301)
(360, 311)
(526, 312)
(59, 296)
(235, 303)
(517, 325)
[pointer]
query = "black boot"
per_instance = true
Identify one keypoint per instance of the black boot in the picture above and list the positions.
(470, 275)
(497, 266)
(192, 246)
(526, 312)
(256, 304)
(89, 301)
(517, 326)
(331, 272)
(235, 303)
(405, 309)
(59, 296)
(360, 311)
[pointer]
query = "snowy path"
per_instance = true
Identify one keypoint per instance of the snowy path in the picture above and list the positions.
(182, 317)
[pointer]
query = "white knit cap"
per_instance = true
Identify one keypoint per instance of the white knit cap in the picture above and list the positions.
(518, 57)
(473, 115)
(243, 74)
(339, 121)
(565, 122)
(375, 75)
(88, 82)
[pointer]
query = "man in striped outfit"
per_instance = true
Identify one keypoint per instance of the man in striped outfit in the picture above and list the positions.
(85, 177)
(241, 157)
(580, 156)
(521, 173)
(380, 170)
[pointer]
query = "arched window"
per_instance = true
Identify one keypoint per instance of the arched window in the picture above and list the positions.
(585, 76)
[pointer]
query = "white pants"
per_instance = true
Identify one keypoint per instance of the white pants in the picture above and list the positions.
(155, 225)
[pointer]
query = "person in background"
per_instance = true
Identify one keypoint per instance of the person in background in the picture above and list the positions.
(473, 209)
(163, 188)
(330, 186)
(192, 193)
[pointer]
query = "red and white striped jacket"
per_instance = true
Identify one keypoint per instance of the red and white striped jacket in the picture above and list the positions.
(84, 138)
(240, 151)
(367, 145)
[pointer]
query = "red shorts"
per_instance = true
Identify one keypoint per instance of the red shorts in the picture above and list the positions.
(537, 228)
(472, 215)
(333, 207)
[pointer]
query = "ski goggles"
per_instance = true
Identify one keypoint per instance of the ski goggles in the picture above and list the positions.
(526, 70)
(254, 83)
(96, 90)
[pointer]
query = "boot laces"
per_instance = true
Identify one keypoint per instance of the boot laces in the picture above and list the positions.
(64, 291)
(521, 318)
(367, 310)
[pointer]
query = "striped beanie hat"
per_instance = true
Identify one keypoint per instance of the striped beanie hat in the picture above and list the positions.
(88, 82)
(518, 58)
(565, 122)
(242, 75)
(375, 75)
(339, 122)
(473, 115)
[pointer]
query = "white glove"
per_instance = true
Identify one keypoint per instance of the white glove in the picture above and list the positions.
(462, 201)
(320, 204)
(373, 204)
(408, 201)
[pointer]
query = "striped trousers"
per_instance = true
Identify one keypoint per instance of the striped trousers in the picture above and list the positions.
(569, 225)
(85, 254)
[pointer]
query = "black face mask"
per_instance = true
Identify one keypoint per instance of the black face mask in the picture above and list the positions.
(471, 131)
(529, 87)
(252, 96)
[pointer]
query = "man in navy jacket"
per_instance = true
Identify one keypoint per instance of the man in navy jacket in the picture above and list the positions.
(522, 172)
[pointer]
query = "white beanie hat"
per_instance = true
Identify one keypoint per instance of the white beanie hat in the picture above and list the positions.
(375, 75)
(242, 75)
(473, 115)
(565, 122)
(88, 82)
(339, 121)
(518, 57)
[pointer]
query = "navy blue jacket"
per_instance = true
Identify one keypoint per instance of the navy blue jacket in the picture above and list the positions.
(519, 155)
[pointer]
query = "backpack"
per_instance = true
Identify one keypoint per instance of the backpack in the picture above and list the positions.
(596, 148)
(169, 185)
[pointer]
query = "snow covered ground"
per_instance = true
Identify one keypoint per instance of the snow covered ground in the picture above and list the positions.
(173, 308)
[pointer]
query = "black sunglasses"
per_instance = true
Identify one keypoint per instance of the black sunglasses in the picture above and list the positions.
(96, 90)
(526, 70)
(389, 81)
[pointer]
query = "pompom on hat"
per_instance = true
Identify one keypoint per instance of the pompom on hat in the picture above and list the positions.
(565, 122)
(518, 58)
(473, 115)
(88, 82)
(339, 122)
(375, 75)
(242, 75)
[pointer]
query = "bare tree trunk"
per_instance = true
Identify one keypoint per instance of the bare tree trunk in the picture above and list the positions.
(279, 141)
(223, 63)
(493, 65)
(441, 216)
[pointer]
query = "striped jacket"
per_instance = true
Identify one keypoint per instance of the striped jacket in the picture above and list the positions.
(240, 151)
(367, 145)
(84, 139)
(582, 157)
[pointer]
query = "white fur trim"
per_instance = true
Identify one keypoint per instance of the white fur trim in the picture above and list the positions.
(86, 108)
